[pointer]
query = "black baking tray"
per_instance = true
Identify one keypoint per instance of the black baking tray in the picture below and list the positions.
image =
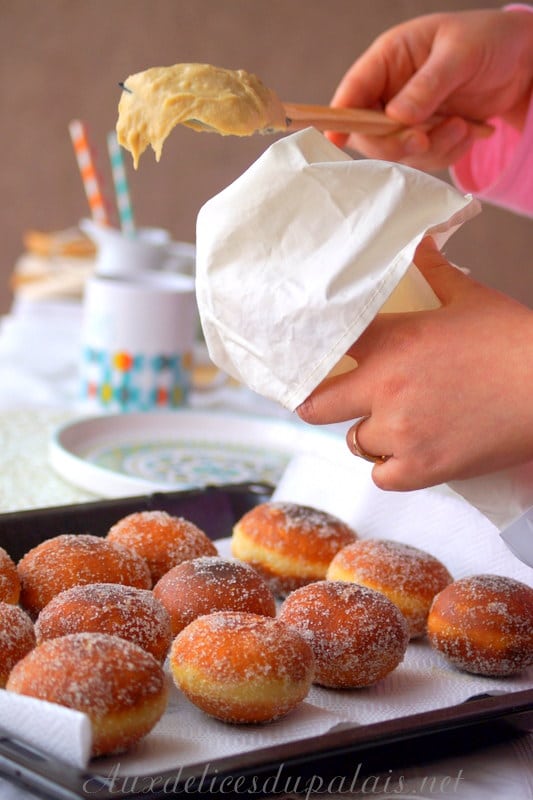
(349, 751)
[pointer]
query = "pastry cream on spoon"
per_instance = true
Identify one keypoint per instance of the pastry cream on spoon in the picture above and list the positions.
(201, 96)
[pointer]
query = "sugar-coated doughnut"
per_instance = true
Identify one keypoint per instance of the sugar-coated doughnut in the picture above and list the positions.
(73, 560)
(240, 667)
(162, 539)
(125, 611)
(9, 579)
(357, 634)
(120, 686)
(211, 583)
(484, 624)
(17, 638)
(289, 544)
(406, 575)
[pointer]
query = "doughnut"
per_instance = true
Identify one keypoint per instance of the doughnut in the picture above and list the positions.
(73, 560)
(406, 575)
(120, 686)
(212, 583)
(241, 667)
(17, 638)
(290, 545)
(9, 579)
(484, 624)
(163, 540)
(133, 614)
(357, 634)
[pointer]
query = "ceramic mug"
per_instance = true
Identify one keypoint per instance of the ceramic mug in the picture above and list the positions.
(137, 342)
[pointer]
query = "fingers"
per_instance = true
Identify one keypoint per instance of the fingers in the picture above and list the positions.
(447, 281)
(446, 142)
(364, 83)
(432, 83)
(337, 399)
(428, 150)
(369, 439)
(338, 139)
(362, 86)
(392, 476)
(349, 396)
(398, 147)
(411, 71)
(356, 446)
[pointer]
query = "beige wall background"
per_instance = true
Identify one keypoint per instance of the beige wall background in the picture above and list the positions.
(61, 59)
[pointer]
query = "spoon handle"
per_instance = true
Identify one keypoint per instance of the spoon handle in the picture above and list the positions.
(358, 120)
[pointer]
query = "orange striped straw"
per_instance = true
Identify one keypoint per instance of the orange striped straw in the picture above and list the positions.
(91, 177)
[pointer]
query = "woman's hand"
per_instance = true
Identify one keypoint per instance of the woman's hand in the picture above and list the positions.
(464, 65)
(447, 393)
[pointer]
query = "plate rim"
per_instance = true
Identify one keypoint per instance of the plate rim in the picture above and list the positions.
(66, 457)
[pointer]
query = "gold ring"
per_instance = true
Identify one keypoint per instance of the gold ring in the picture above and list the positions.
(358, 450)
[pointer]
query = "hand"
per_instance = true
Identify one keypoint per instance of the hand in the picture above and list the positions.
(471, 64)
(447, 392)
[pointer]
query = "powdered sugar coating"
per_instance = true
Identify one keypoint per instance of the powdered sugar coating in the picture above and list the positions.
(357, 634)
(162, 539)
(73, 560)
(242, 667)
(211, 583)
(125, 611)
(288, 543)
(9, 579)
(17, 638)
(106, 677)
(484, 624)
(408, 576)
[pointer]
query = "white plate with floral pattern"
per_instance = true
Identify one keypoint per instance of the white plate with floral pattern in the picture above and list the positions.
(122, 454)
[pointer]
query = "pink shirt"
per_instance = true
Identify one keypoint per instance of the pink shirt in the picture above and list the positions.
(499, 169)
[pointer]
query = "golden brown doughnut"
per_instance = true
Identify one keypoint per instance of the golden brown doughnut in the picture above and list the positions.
(125, 611)
(211, 583)
(9, 579)
(73, 560)
(289, 544)
(17, 638)
(484, 624)
(406, 575)
(160, 538)
(241, 668)
(120, 686)
(357, 634)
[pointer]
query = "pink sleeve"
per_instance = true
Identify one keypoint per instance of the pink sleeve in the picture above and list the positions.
(499, 169)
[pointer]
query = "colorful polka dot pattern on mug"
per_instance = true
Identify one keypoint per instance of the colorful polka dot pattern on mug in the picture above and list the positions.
(124, 381)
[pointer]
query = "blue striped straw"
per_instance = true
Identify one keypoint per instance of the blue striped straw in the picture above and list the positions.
(120, 182)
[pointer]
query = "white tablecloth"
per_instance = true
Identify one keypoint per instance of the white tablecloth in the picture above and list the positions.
(38, 380)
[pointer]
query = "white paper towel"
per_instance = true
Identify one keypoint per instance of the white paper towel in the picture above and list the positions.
(297, 256)
(61, 732)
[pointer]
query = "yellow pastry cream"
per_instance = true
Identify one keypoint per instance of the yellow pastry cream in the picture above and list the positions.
(201, 96)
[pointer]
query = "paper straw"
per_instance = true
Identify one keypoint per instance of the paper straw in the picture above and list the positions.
(120, 182)
(92, 180)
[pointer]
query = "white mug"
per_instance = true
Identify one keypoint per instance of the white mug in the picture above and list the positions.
(137, 342)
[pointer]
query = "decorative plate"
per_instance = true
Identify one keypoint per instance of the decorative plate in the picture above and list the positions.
(116, 455)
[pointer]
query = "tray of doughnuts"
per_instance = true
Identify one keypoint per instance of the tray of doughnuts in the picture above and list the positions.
(143, 581)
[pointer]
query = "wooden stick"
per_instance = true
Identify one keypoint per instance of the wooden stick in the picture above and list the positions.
(359, 120)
